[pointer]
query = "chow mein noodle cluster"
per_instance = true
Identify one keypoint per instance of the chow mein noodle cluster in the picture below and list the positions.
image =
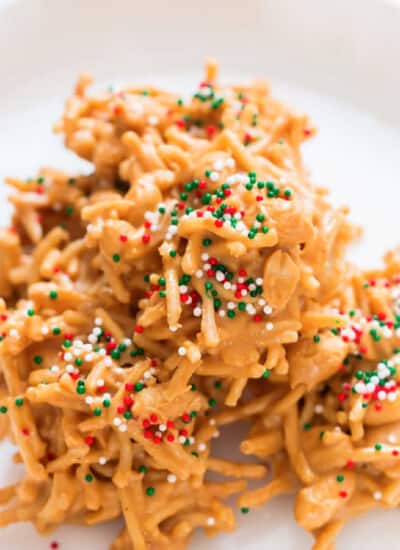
(195, 278)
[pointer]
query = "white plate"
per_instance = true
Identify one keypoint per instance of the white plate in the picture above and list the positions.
(336, 60)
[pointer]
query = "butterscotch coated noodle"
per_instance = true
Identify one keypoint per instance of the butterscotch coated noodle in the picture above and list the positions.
(195, 278)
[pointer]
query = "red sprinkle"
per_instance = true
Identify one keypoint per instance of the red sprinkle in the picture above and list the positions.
(139, 329)
(89, 440)
(54, 545)
(343, 494)
(129, 386)
(146, 238)
(25, 431)
(154, 418)
(123, 238)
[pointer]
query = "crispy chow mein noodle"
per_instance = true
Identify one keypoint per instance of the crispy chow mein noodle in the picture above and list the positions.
(194, 279)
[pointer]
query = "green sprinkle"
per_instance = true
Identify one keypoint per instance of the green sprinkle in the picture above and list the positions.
(162, 209)
(67, 343)
(161, 281)
(378, 446)
(260, 217)
(38, 359)
(321, 435)
(145, 92)
(81, 389)
(19, 402)
(162, 294)
(217, 103)
(287, 192)
(146, 278)
(207, 242)
(78, 361)
(69, 210)
(340, 478)
(208, 285)
(115, 354)
(245, 510)
(89, 478)
(241, 306)
(116, 258)
(142, 469)
(265, 229)
(30, 312)
(212, 402)
(217, 303)
(193, 387)
(97, 411)
(231, 314)
(71, 181)
(106, 403)
(53, 295)
(139, 386)
(150, 491)
(316, 338)
(172, 253)
(3, 409)
(266, 373)
(307, 426)
(179, 102)
(128, 415)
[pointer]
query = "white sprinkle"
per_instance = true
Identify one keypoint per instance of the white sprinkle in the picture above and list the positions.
(182, 351)
(230, 163)
(102, 460)
(221, 313)
(210, 521)
(197, 312)
(98, 321)
(206, 266)
(269, 326)
(219, 276)
(392, 396)
(392, 438)
(106, 395)
(381, 395)
(123, 428)
(267, 310)
(183, 289)
(214, 176)
(107, 361)
(70, 368)
(88, 399)
(204, 256)
(199, 273)
(55, 368)
(117, 421)
(97, 331)
(218, 164)
(162, 428)
(119, 370)
(92, 338)
(171, 478)
(318, 408)
(202, 447)
(216, 434)
(370, 387)
(259, 281)
(68, 356)
(261, 302)
(102, 351)
(173, 328)
(44, 330)
(227, 285)
(147, 374)
(127, 342)
(377, 495)
(153, 120)
(231, 305)
(100, 382)
(182, 439)
(89, 357)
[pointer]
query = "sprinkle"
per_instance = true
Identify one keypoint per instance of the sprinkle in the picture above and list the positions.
(182, 351)
(210, 521)
(150, 491)
(171, 478)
